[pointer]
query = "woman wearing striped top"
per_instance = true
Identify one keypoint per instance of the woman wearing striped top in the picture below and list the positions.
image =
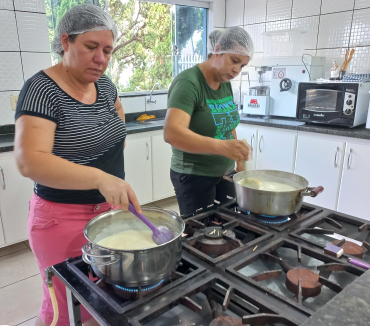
(70, 134)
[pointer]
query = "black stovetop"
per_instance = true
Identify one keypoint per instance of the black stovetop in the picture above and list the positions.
(243, 279)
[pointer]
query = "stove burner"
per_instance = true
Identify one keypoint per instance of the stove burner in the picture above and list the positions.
(309, 282)
(226, 321)
(133, 293)
(350, 248)
(264, 218)
(272, 219)
(214, 243)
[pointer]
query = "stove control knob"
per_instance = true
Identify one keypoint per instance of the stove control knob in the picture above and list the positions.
(349, 102)
(348, 111)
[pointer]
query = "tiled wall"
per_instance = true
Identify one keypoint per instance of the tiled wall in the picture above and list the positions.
(24, 48)
(331, 25)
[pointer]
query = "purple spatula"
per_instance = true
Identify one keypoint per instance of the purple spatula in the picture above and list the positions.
(161, 234)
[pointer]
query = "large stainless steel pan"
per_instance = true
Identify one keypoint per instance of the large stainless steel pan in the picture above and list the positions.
(131, 268)
(270, 202)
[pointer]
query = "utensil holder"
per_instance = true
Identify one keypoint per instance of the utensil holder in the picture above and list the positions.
(341, 74)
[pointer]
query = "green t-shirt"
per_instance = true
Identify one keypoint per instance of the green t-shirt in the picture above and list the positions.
(213, 114)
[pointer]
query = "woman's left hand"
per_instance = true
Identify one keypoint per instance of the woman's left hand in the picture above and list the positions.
(239, 166)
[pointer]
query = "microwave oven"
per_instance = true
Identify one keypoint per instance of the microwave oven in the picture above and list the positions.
(333, 103)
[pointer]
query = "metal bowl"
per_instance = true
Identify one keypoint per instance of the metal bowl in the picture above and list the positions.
(132, 268)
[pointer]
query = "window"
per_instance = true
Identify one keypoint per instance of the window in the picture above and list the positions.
(155, 41)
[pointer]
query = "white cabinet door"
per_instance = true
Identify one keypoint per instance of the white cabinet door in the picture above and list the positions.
(276, 150)
(249, 133)
(320, 162)
(15, 194)
(354, 190)
(138, 166)
(161, 160)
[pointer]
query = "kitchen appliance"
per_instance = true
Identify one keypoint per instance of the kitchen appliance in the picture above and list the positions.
(287, 73)
(247, 276)
(132, 268)
(334, 103)
(271, 203)
(258, 101)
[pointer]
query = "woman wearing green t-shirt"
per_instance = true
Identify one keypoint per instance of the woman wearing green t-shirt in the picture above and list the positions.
(201, 120)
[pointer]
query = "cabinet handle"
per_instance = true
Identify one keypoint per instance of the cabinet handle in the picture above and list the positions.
(252, 139)
(259, 145)
(147, 151)
(349, 160)
(3, 177)
(336, 157)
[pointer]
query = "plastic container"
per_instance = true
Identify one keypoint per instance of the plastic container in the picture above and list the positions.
(284, 43)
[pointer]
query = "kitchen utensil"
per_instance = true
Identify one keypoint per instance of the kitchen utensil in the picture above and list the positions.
(347, 59)
(132, 268)
(359, 263)
(161, 234)
(254, 182)
(273, 203)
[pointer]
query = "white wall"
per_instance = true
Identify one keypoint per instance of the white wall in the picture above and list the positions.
(24, 48)
(332, 24)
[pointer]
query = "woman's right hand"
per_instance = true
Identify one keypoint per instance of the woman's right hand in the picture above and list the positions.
(237, 150)
(117, 192)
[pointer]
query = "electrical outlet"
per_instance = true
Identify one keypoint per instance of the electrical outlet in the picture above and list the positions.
(13, 101)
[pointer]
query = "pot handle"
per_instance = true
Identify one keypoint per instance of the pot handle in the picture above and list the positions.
(312, 191)
(86, 250)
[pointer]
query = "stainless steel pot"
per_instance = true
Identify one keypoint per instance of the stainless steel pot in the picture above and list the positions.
(269, 202)
(131, 268)
(259, 91)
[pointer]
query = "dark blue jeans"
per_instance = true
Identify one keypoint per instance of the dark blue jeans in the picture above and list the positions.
(195, 191)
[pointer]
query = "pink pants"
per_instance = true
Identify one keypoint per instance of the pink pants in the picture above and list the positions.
(55, 233)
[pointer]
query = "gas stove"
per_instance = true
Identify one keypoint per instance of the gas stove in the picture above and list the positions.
(235, 269)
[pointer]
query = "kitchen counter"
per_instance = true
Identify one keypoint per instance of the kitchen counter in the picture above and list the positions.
(350, 307)
(7, 140)
(357, 132)
(133, 127)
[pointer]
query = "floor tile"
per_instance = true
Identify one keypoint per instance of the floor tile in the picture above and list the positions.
(17, 266)
(172, 207)
(165, 201)
(21, 301)
(29, 322)
(12, 248)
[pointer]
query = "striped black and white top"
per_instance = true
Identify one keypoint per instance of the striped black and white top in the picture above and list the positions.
(86, 134)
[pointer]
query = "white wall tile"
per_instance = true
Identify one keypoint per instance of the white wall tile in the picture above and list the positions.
(219, 13)
(6, 4)
(30, 5)
(8, 31)
(255, 11)
(33, 32)
(279, 9)
(255, 31)
(329, 6)
(331, 54)
(234, 13)
(133, 104)
(360, 64)
(6, 112)
(360, 33)
(311, 25)
(278, 25)
(11, 75)
(34, 62)
(334, 30)
(304, 8)
(362, 4)
(161, 103)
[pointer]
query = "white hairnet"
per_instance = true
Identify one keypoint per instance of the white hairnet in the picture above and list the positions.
(81, 19)
(235, 40)
(213, 40)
